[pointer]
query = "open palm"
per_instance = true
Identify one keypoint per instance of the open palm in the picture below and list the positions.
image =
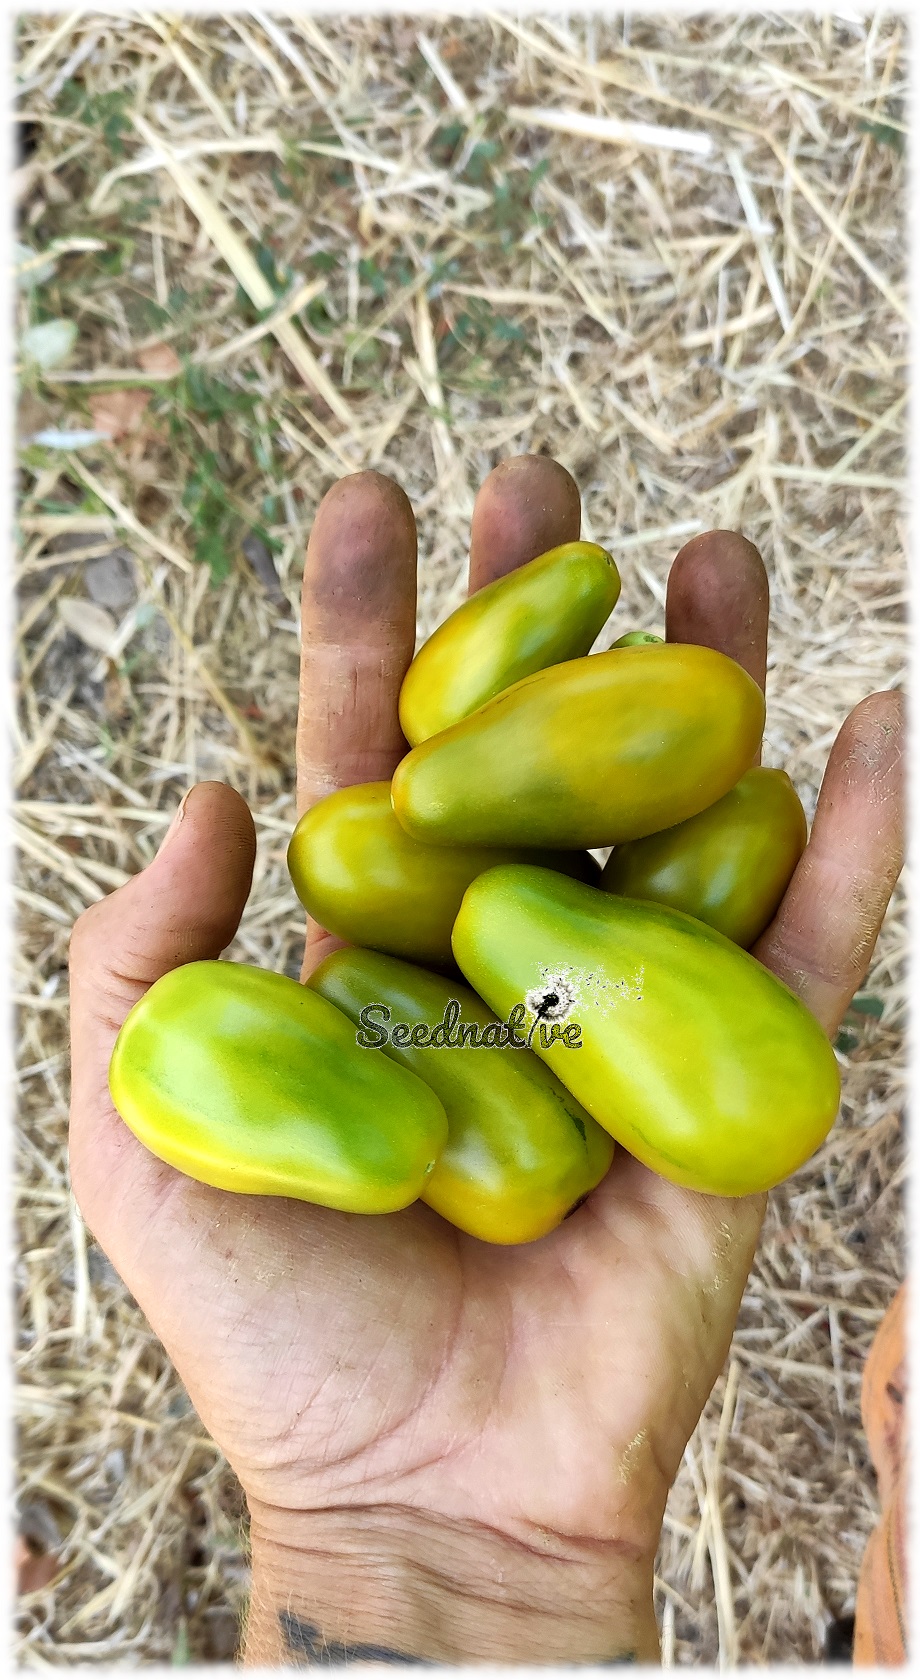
(540, 1395)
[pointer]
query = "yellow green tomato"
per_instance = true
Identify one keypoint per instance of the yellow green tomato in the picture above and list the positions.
(696, 1059)
(589, 753)
(521, 1152)
(729, 865)
(361, 876)
(247, 1081)
(546, 611)
(637, 638)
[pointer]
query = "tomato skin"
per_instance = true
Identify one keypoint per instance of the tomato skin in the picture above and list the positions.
(362, 877)
(549, 610)
(247, 1081)
(589, 753)
(520, 1150)
(637, 638)
(728, 866)
(696, 1059)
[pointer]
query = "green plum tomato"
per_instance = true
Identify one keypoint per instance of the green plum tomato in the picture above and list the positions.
(247, 1081)
(589, 753)
(637, 638)
(696, 1059)
(729, 865)
(549, 610)
(520, 1151)
(361, 876)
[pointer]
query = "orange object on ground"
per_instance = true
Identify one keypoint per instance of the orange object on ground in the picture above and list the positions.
(879, 1639)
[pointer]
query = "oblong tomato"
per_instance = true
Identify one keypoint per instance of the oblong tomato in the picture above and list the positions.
(549, 610)
(695, 1058)
(247, 1081)
(729, 865)
(361, 876)
(589, 753)
(520, 1151)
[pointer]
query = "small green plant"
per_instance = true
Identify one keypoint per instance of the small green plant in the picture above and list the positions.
(279, 279)
(884, 134)
(445, 143)
(511, 188)
(478, 168)
(107, 113)
(864, 1008)
(280, 184)
(372, 277)
(216, 523)
(471, 349)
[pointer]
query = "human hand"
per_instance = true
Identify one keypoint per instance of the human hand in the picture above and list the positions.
(449, 1450)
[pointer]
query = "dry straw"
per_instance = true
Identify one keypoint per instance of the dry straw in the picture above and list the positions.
(670, 253)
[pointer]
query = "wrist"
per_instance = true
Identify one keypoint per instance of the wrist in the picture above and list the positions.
(397, 1584)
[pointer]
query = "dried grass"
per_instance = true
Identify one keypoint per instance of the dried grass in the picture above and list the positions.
(704, 336)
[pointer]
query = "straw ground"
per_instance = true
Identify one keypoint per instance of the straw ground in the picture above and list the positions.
(259, 252)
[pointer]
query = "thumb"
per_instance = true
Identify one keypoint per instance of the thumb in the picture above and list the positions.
(184, 907)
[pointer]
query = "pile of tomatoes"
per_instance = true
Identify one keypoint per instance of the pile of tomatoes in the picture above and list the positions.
(601, 1005)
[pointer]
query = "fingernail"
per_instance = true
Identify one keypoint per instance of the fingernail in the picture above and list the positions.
(176, 822)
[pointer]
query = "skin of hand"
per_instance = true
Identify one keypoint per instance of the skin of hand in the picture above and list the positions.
(450, 1451)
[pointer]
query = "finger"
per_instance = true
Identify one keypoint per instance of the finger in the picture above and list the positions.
(185, 907)
(358, 636)
(719, 597)
(526, 506)
(360, 648)
(823, 935)
(357, 640)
